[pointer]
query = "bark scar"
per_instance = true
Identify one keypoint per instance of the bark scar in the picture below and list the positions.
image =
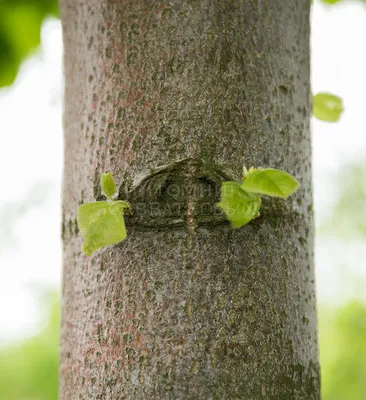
(183, 193)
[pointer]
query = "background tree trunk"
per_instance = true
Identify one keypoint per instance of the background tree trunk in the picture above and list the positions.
(174, 97)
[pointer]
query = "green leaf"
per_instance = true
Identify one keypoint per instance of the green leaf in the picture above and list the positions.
(270, 182)
(107, 184)
(20, 28)
(101, 224)
(331, 2)
(239, 206)
(327, 107)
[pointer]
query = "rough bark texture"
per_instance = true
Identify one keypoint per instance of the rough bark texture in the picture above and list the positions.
(174, 97)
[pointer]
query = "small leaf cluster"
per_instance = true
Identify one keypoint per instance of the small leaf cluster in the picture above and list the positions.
(241, 201)
(101, 223)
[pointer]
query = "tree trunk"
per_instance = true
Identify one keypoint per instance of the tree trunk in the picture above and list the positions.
(174, 97)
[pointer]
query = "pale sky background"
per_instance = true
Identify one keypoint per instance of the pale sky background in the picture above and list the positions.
(31, 156)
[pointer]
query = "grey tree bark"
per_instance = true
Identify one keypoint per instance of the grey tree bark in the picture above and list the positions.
(174, 97)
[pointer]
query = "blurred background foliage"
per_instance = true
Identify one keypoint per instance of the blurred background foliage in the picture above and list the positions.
(20, 32)
(342, 337)
(331, 2)
(348, 218)
(29, 369)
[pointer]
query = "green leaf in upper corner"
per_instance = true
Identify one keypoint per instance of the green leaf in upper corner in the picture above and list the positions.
(327, 107)
(331, 2)
(108, 184)
(239, 206)
(20, 32)
(270, 182)
(101, 224)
